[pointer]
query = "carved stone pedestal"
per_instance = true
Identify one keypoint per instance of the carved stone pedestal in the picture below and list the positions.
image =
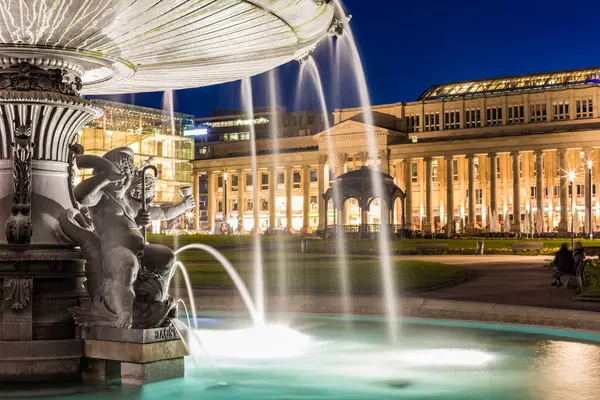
(37, 333)
(133, 356)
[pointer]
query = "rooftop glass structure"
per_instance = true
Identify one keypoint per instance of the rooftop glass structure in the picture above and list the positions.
(588, 76)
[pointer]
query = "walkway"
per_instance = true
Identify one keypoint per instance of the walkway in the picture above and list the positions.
(505, 279)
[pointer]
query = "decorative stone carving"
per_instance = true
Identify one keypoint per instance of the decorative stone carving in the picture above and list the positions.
(74, 150)
(17, 292)
(363, 156)
(342, 158)
(323, 158)
(27, 77)
(18, 225)
(127, 279)
(306, 56)
(384, 154)
(20, 266)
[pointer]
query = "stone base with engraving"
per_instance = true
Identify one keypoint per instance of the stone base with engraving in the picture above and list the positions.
(133, 356)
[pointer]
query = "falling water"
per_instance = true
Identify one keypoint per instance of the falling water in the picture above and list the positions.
(274, 132)
(257, 318)
(259, 291)
(169, 107)
(298, 96)
(388, 280)
(340, 239)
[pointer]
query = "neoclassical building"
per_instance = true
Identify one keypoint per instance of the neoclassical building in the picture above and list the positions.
(510, 153)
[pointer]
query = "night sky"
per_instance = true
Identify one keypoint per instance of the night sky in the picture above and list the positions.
(409, 46)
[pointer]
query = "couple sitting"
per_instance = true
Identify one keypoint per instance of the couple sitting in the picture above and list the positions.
(567, 263)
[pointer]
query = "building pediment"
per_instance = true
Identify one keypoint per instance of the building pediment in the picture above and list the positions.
(352, 130)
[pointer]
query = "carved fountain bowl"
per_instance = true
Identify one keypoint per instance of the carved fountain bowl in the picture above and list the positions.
(124, 47)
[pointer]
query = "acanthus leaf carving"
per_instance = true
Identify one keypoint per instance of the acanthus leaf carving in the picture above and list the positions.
(17, 292)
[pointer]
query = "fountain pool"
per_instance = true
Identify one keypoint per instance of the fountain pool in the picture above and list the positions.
(318, 359)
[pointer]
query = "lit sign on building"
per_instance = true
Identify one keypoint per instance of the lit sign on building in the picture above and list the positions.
(196, 132)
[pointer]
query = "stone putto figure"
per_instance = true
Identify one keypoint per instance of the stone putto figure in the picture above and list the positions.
(127, 279)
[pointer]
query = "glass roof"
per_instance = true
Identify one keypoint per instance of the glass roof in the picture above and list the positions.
(519, 83)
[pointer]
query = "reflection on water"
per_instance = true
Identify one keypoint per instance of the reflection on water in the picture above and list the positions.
(319, 359)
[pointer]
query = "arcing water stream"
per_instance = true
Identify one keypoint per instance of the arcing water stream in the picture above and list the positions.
(387, 276)
(340, 239)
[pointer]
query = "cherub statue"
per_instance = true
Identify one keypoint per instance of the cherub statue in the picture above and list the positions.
(127, 279)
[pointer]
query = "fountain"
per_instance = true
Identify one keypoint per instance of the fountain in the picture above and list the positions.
(52, 53)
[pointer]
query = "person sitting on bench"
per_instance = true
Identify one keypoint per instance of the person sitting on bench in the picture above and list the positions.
(563, 264)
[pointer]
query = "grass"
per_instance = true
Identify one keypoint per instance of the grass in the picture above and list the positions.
(312, 275)
(355, 246)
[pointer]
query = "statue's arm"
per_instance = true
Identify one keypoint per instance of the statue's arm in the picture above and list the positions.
(171, 211)
(89, 191)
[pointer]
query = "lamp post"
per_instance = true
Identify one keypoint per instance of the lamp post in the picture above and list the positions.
(571, 179)
(225, 176)
(588, 200)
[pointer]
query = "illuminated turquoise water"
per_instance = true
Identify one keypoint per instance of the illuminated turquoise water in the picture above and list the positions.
(320, 360)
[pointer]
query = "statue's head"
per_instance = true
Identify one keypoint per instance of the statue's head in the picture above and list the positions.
(122, 158)
(135, 190)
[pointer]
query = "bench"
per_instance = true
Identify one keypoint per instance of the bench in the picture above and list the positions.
(580, 275)
(432, 246)
(592, 250)
(537, 246)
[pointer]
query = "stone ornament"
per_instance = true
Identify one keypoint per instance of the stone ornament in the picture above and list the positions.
(27, 77)
(17, 292)
(18, 225)
(127, 279)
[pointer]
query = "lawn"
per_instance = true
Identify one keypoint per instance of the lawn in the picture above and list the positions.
(308, 275)
(355, 246)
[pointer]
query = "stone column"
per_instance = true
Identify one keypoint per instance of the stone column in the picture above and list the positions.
(340, 170)
(256, 185)
(289, 184)
(211, 200)
(305, 199)
(563, 225)
(471, 190)
(406, 163)
(516, 225)
(272, 199)
(493, 187)
(588, 190)
(539, 188)
(449, 196)
(399, 181)
(320, 200)
(429, 225)
(196, 189)
(241, 203)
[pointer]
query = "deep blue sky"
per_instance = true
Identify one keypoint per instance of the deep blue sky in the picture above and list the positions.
(408, 46)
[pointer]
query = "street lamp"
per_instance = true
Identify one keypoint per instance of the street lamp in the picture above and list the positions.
(571, 179)
(225, 176)
(588, 200)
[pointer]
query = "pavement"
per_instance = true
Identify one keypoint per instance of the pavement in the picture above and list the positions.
(505, 279)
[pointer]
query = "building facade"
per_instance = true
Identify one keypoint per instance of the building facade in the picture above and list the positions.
(151, 134)
(516, 153)
(268, 122)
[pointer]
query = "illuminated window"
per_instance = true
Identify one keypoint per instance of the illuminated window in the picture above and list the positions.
(560, 110)
(455, 169)
(497, 167)
(412, 123)
(452, 120)
(479, 196)
(473, 118)
(533, 192)
(414, 172)
(432, 122)
(537, 112)
(434, 170)
(220, 181)
(313, 175)
(297, 180)
(584, 109)
(265, 181)
(476, 167)
(516, 114)
(280, 178)
(249, 180)
(234, 182)
(264, 205)
(494, 116)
